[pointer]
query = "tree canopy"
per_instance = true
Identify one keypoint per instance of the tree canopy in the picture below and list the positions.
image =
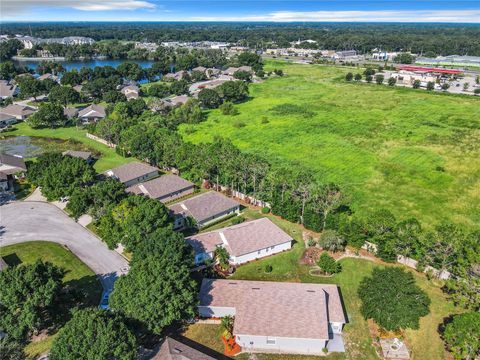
(462, 336)
(391, 298)
(48, 115)
(94, 334)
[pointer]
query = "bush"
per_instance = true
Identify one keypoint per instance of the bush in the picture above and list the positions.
(227, 108)
(268, 268)
(462, 336)
(239, 124)
(349, 76)
(311, 242)
(265, 210)
(476, 91)
(238, 220)
(265, 120)
(330, 240)
(328, 264)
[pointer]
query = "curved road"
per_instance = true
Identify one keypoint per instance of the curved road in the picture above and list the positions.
(27, 221)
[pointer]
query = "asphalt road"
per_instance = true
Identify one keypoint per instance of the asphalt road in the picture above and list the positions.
(27, 221)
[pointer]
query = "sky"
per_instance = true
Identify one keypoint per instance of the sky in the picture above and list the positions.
(450, 11)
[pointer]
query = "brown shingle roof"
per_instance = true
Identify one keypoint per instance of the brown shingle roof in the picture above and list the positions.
(175, 350)
(161, 186)
(93, 110)
(204, 206)
(131, 171)
(7, 90)
(17, 110)
(241, 239)
(10, 164)
(267, 308)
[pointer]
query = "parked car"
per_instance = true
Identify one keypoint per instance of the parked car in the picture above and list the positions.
(104, 303)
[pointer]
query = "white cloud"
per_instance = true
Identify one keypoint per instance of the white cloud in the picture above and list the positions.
(461, 16)
(14, 8)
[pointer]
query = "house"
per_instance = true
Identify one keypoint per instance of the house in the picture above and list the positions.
(205, 209)
(132, 173)
(164, 188)
(9, 166)
(92, 113)
(172, 349)
(7, 90)
(179, 75)
(244, 242)
(70, 112)
(295, 318)
(6, 120)
(201, 69)
(230, 71)
(131, 92)
(20, 112)
(78, 88)
(177, 100)
(246, 69)
(48, 76)
(85, 155)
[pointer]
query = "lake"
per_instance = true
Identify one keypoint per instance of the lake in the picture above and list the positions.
(70, 65)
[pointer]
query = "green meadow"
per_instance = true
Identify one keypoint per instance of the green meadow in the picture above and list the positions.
(413, 152)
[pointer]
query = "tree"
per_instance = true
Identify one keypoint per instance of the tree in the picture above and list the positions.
(331, 241)
(158, 289)
(391, 298)
(416, 84)
(404, 58)
(29, 87)
(131, 71)
(188, 113)
(466, 86)
(94, 334)
(113, 96)
(27, 297)
(462, 336)
(11, 349)
(59, 175)
(48, 115)
(430, 85)
(368, 78)
(158, 90)
(349, 76)
(328, 264)
(179, 87)
(358, 77)
(198, 76)
(63, 95)
(476, 91)
(7, 70)
(227, 108)
(243, 75)
(223, 257)
(379, 79)
(392, 81)
(209, 98)
(234, 91)
(445, 86)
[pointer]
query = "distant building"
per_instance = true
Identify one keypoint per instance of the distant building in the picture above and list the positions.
(205, 209)
(20, 112)
(92, 113)
(451, 60)
(164, 188)
(244, 242)
(270, 316)
(132, 173)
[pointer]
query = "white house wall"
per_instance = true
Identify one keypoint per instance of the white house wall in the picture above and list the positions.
(281, 344)
(141, 179)
(215, 311)
(261, 253)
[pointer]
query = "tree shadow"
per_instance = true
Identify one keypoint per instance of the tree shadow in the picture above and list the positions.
(12, 259)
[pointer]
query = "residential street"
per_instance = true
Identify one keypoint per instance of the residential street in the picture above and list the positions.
(27, 221)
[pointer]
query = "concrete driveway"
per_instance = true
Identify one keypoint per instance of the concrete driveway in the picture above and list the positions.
(27, 221)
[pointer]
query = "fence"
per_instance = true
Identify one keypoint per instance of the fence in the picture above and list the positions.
(100, 140)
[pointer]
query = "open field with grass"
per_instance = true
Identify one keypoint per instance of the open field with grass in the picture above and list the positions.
(78, 275)
(425, 343)
(413, 152)
(108, 159)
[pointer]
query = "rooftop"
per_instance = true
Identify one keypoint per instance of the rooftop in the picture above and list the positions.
(92, 110)
(17, 110)
(242, 238)
(172, 349)
(130, 171)
(10, 164)
(85, 155)
(267, 308)
(161, 186)
(204, 206)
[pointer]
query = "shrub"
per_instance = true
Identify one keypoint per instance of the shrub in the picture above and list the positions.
(460, 336)
(311, 242)
(268, 268)
(265, 120)
(476, 91)
(392, 81)
(227, 108)
(265, 210)
(238, 220)
(291, 109)
(328, 264)
(330, 240)
(349, 76)
(358, 77)
(239, 124)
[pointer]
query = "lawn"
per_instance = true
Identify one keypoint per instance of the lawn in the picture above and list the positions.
(413, 152)
(424, 343)
(108, 158)
(78, 275)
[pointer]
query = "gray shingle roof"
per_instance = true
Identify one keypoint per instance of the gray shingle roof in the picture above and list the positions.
(241, 239)
(10, 164)
(85, 155)
(175, 350)
(267, 308)
(204, 206)
(93, 110)
(17, 110)
(161, 186)
(130, 171)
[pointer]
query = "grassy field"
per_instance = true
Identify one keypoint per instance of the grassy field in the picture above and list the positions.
(413, 152)
(78, 275)
(108, 159)
(424, 343)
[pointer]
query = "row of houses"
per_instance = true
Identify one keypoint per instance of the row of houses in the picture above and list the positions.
(30, 41)
(268, 316)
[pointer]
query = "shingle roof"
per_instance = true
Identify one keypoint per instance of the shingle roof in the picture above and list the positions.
(241, 239)
(161, 186)
(267, 308)
(85, 155)
(175, 350)
(93, 110)
(131, 171)
(204, 206)
(70, 111)
(7, 90)
(10, 164)
(17, 110)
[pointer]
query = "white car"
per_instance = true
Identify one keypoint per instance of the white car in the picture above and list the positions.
(104, 303)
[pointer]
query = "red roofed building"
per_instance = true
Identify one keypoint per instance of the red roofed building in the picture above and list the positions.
(430, 70)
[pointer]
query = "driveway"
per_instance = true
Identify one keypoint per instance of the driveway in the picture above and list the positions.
(27, 221)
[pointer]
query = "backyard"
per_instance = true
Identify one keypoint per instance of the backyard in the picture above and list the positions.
(412, 152)
(424, 343)
(78, 276)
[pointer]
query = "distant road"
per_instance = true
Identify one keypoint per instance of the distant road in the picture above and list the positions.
(29, 221)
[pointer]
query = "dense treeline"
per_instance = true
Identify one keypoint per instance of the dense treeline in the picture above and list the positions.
(442, 39)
